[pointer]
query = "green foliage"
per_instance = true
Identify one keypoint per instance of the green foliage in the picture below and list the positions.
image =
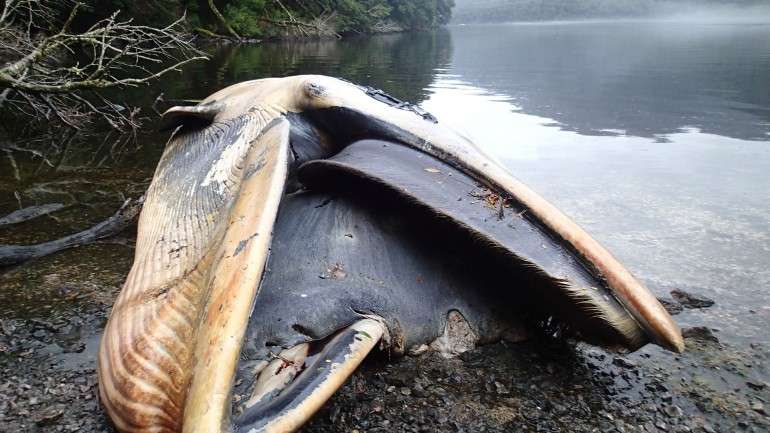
(422, 14)
(191, 7)
(265, 18)
(244, 16)
(365, 15)
(360, 15)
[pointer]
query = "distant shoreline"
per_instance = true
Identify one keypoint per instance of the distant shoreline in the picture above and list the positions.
(760, 20)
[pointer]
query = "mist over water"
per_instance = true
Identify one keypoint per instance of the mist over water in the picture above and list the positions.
(717, 14)
(497, 11)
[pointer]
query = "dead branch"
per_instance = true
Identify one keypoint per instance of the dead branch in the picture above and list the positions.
(29, 213)
(58, 76)
(14, 165)
(124, 217)
(319, 26)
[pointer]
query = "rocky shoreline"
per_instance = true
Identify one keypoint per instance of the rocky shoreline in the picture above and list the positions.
(57, 306)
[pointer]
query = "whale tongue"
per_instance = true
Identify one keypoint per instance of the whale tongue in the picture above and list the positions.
(556, 280)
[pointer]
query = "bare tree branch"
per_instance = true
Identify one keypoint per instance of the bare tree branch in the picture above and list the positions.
(319, 26)
(56, 75)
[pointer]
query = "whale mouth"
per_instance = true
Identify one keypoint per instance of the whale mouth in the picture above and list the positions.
(293, 225)
(420, 251)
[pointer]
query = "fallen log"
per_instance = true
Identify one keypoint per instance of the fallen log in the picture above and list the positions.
(29, 213)
(125, 216)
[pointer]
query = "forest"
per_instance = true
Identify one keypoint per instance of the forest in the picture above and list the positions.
(286, 18)
(470, 11)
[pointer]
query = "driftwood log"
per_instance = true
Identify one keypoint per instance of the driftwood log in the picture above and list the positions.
(28, 213)
(125, 216)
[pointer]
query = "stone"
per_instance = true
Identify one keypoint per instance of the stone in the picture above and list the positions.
(48, 416)
(673, 411)
(700, 333)
(623, 362)
(691, 301)
(671, 306)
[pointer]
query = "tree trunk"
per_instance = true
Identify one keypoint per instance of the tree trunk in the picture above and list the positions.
(218, 15)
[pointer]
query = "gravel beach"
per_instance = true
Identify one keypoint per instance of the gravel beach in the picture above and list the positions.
(54, 309)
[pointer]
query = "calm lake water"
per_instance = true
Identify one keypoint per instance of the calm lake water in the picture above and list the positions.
(653, 136)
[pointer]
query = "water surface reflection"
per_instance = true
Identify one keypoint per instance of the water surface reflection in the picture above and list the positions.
(688, 212)
(644, 78)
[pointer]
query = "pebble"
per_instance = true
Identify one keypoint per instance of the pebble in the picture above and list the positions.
(48, 416)
(673, 411)
(700, 333)
(521, 387)
(500, 388)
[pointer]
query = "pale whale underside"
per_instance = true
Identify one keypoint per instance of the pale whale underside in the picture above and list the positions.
(295, 224)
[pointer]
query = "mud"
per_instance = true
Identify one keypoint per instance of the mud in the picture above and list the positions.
(53, 310)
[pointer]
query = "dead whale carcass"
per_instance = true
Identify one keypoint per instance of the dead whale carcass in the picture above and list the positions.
(293, 224)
